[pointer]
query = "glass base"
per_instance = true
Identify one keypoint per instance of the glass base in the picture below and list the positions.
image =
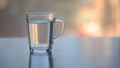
(39, 51)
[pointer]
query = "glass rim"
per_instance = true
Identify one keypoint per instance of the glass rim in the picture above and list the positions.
(40, 13)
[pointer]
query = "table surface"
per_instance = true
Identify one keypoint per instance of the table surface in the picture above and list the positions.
(67, 53)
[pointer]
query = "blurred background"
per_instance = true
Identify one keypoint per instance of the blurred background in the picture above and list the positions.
(91, 38)
(83, 18)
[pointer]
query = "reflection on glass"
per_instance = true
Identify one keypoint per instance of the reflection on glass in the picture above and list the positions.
(39, 26)
(37, 35)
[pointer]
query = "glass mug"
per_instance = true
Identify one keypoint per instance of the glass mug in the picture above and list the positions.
(40, 30)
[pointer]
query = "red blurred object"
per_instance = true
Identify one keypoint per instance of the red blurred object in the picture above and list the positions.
(82, 33)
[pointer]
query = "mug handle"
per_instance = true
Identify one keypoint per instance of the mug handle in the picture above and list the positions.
(61, 29)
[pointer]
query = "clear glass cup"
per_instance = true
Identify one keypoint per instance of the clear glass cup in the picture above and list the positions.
(39, 30)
